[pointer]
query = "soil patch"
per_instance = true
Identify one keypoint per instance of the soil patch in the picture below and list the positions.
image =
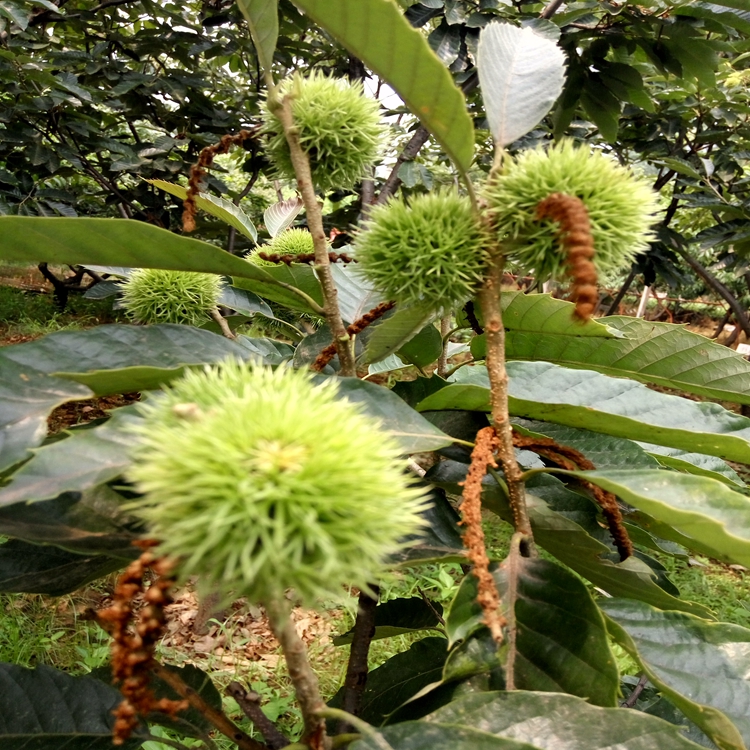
(80, 412)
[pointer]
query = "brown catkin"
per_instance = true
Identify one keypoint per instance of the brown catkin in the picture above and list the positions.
(133, 652)
(488, 598)
(198, 172)
(289, 258)
(327, 354)
(575, 233)
(572, 460)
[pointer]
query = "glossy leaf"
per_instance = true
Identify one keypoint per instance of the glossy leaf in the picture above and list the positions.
(278, 216)
(614, 406)
(396, 331)
(695, 463)
(89, 522)
(701, 666)
(713, 516)
(31, 569)
(409, 427)
(561, 640)
(355, 295)
(397, 617)
(262, 17)
(406, 63)
(121, 242)
(565, 524)
(417, 735)
(243, 301)
(400, 678)
(46, 708)
(215, 205)
(298, 276)
(521, 75)
(26, 398)
(551, 721)
(117, 358)
(87, 458)
(660, 353)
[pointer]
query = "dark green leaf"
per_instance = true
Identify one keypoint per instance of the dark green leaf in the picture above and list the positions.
(424, 348)
(117, 358)
(44, 708)
(413, 431)
(701, 666)
(396, 331)
(26, 398)
(417, 735)
(89, 522)
(400, 616)
(87, 458)
(400, 679)
(406, 63)
(31, 569)
(243, 301)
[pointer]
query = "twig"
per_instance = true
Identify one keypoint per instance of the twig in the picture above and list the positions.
(445, 327)
(357, 667)
(222, 323)
(409, 152)
(632, 699)
(512, 566)
(489, 299)
(249, 702)
(327, 354)
(222, 723)
(304, 679)
(342, 340)
(551, 9)
(623, 291)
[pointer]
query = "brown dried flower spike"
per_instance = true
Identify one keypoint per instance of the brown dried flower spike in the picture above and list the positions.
(133, 653)
(575, 233)
(488, 598)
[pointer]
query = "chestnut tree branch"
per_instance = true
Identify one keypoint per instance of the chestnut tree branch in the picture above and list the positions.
(283, 110)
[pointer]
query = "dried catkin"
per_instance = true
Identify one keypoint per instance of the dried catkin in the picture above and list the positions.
(488, 598)
(575, 234)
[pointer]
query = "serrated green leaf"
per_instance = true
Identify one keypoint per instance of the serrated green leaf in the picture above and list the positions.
(406, 62)
(659, 353)
(45, 708)
(551, 721)
(262, 17)
(713, 516)
(701, 666)
(613, 406)
(278, 216)
(409, 427)
(26, 398)
(215, 205)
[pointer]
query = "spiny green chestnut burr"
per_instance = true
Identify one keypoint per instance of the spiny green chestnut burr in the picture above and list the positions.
(429, 251)
(339, 129)
(262, 480)
(153, 295)
(620, 206)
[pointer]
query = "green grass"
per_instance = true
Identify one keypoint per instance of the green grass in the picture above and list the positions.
(25, 313)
